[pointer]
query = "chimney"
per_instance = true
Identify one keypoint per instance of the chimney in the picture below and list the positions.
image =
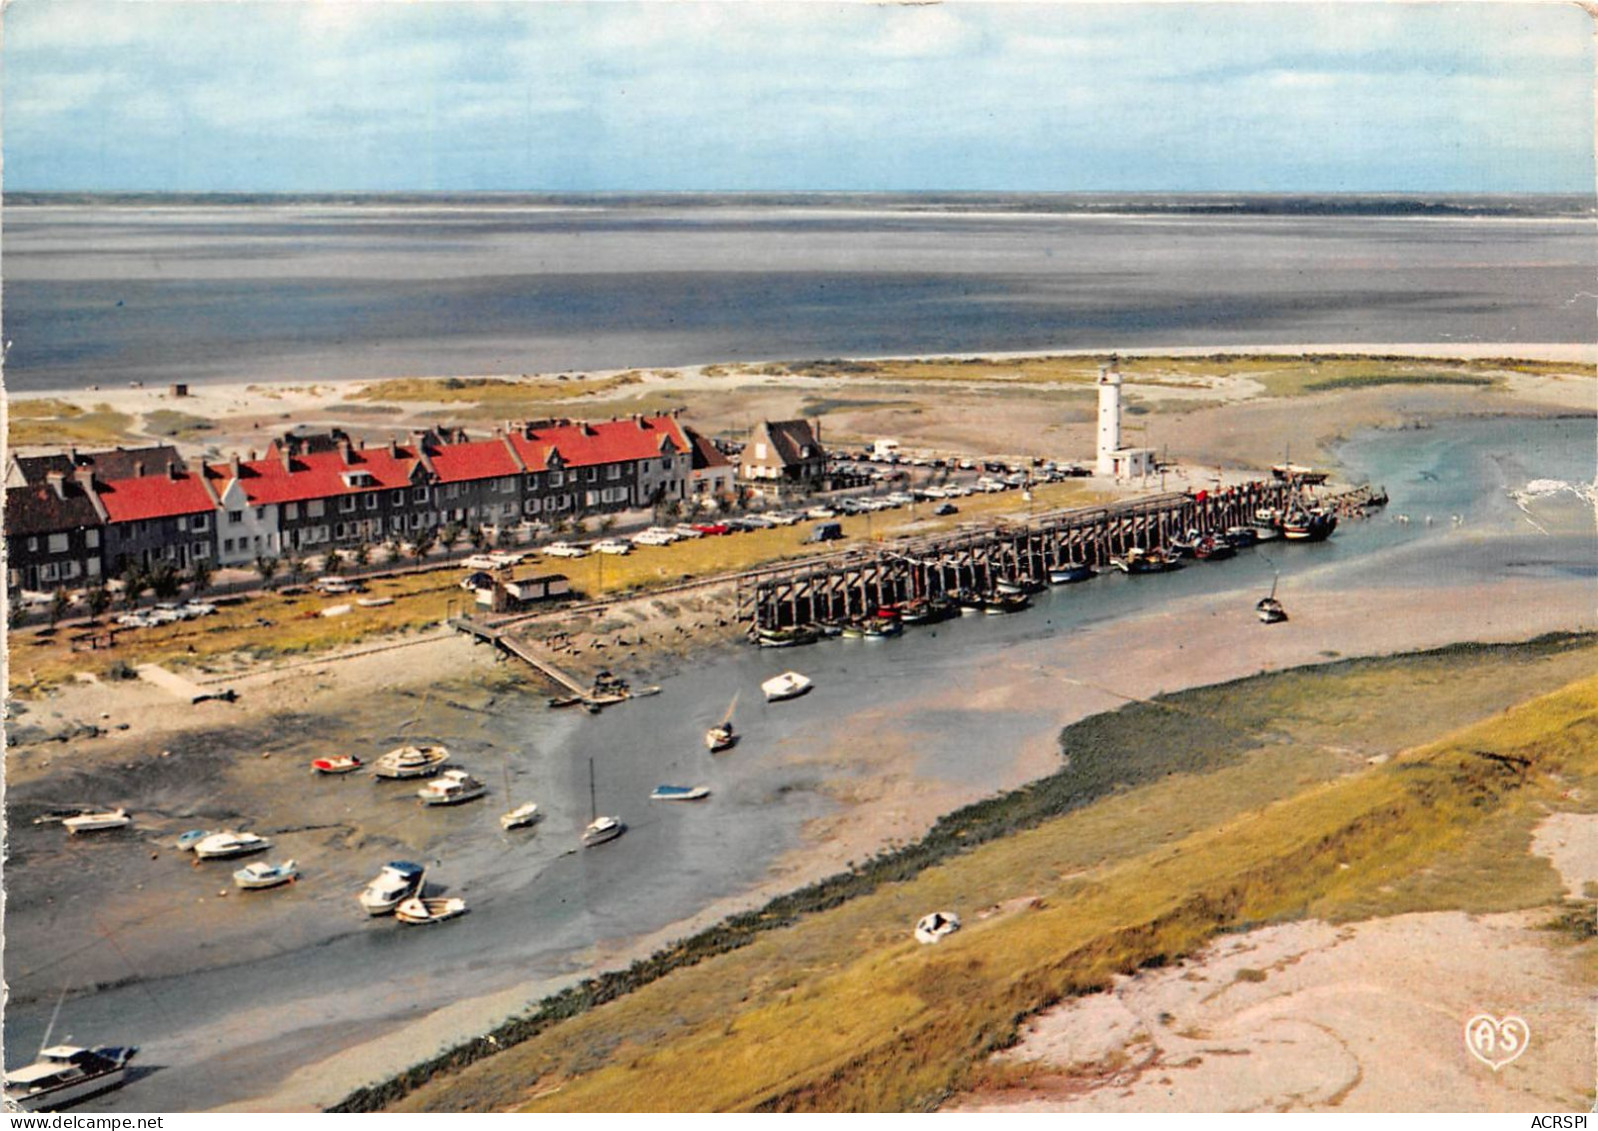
(288, 458)
(172, 472)
(233, 464)
(57, 481)
(84, 476)
(393, 447)
(138, 469)
(346, 453)
(639, 420)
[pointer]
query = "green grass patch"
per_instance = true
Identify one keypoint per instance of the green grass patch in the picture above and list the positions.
(168, 423)
(40, 422)
(501, 392)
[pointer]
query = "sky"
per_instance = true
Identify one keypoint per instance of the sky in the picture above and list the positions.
(129, 95)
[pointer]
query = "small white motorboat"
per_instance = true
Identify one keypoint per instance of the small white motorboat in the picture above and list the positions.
(788, 685)
(65, 1074)
(187, 841)
(411, 762)
(338, 764)
(418, 910)
(601, 829)
(224, 844)
(94, 822)
(937, 926)
(261, 875)
(680, 793)
(520, 817)
(397, 882)
(451, 788)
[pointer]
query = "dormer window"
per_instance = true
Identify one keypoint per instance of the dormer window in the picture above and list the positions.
(359, 479)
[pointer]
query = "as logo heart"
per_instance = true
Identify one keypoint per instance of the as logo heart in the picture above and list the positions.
(1495, 1043)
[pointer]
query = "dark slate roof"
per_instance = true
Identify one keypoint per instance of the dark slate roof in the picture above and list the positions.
(39, 510)
(115, 464)
(794, 440)
(706, 454)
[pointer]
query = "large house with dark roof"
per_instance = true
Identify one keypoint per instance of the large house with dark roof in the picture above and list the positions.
(54, 531)
(784, 453)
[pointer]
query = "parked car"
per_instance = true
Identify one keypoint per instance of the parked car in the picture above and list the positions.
(786, 518)
(336, 585)
(564, 550)
(946, 509)
(713, 528)
(656, 536)
(480, 561)
(613, 546)
(481, 579)
(683, 530)
(503, 559)
(825, 532)
(821, 512)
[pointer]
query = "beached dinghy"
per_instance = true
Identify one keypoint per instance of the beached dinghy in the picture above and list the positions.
(418, 910)
(218, 846)
(788, 685)
(680, 793)
(338, 764)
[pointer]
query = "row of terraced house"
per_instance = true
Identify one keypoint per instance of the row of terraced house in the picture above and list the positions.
(74, 517)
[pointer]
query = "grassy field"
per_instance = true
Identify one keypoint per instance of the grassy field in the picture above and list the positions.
(37, 421)
(821, 1001)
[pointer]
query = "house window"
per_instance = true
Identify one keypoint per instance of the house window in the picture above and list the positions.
(200, 523)
(371, 501)
(94, 567)
(183, 523)
(418, 494)
(260, 513)
(556, 479)
(416, 522)
(33, 544)
(397, 498)
(91, 539)
(202, 551)
(531, 506)
(235, 517)
(508, 485)
(313, 509)
(760, 449)
(227, 545)
(453, 491)
(646, 466)
(58, 543)
(508, 510)
(346, 503)
(532, 480)
(291, 511)
(665, 463)
(590, 474)
(613, 471)
(590, 498)
(396, 522)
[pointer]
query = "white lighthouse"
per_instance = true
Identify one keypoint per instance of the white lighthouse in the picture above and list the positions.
(1109, 416)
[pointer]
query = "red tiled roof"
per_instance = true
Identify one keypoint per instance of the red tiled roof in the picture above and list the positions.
(607, 441)
(154, 496)
(476, 459)
(320, 475)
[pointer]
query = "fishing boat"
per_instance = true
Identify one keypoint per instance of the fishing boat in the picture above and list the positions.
(1071, 572)
(452, 787)
(1213, 549)
(1241, 537)
(1138, 560)
(219, 846)
(680, 793)
(397, 882)
(722, 736)
(928, 610)
(853, 630)
(1019, 585)
(969, 601)
(416, 910)
(829, 627)
(261, 875)
(65, 1074)
(411, 762)
(996, 603)
(1309, 526)
(599, 829)
(880, 628)
(338, 764)
(788, 685)
(1186, 545)
(785, 637)
(519, 817)
(96, 821)
(1296, 473)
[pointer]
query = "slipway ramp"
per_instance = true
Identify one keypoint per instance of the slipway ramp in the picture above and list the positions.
(185, 689)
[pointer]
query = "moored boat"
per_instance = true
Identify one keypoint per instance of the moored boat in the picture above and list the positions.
(1071, 572)
(1213, 549)
(996, 603)
(397, 882)
(969, 601)
(680, 793)
(1138, 560)
(519, 817)
(1241, 537)
(785, 637)
(411, 762)
(416, 910)
(221, 845)
(261, 875)
(722, 736)
(452, 787)
(97, 821)
(337, 764)
(602, 829)
(1270, 610)
(788, 685)
(187, 841)
(65, 1074)
(879, 628)
(1309, 526)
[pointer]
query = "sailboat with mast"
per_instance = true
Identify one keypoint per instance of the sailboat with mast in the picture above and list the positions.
(722, 736)
(600, 829)
(65, 1074)
(1269, 609)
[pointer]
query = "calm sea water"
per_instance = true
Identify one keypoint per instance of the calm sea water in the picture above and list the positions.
(539, 910)
(105, 292)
